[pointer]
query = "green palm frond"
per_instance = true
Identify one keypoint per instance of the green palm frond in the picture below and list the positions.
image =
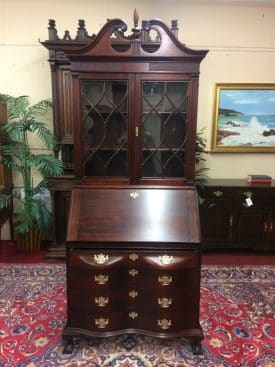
(17, 106)
(38, 109)
(10, 163)
(47, 164)
(43, 132)
(5, 201)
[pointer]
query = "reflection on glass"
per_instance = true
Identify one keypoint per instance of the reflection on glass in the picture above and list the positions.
(164, 128)
(105, 124)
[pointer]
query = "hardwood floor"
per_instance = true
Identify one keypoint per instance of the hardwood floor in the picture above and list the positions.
(9, 254)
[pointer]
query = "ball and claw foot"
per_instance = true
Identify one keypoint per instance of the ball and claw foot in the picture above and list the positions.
(196, 347)
(68, 345)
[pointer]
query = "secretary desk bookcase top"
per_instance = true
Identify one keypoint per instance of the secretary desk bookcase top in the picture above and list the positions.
(125, 119)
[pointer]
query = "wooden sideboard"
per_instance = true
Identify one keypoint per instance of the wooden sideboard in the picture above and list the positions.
(230, 220)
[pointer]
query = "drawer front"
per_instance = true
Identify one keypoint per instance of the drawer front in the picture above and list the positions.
(96, 321)
(161, 322)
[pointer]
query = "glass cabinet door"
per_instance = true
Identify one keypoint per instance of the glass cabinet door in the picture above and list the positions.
(105, 128)
(164, 119)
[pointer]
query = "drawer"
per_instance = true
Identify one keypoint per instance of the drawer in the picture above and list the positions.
(218, 192)
(96, 321)
(88, 278)
(100, 259)
(165, 299)
(161, 322)
(165, 279)
(97, 300)
(259, 198)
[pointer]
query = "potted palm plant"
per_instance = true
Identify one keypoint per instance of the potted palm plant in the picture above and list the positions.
(33, 216)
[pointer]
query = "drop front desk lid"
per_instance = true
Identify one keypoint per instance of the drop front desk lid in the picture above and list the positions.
(134, 215)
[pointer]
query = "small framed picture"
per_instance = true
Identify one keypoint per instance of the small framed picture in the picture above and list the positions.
(244, 118)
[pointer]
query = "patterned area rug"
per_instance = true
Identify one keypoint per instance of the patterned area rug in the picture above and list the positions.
(237, 317)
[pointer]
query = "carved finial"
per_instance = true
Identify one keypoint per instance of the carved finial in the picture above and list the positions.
(67, 36)
(82, 34)
(174, 27)
(136, 18)
(52, 30)
(51, 23)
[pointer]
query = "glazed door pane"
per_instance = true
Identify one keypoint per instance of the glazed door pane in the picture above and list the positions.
(105, 127)
(164, 119)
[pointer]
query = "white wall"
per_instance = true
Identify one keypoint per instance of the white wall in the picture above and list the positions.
(240, 36)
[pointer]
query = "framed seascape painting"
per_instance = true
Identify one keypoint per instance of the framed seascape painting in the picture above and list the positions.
(244, 118)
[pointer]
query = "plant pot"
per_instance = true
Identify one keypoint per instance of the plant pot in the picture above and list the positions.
(29, 242)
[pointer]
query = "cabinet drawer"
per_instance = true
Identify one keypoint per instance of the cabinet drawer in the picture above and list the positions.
(96, 321)
(97, 300)
(164, 279)
(99, 259)
(161, 322)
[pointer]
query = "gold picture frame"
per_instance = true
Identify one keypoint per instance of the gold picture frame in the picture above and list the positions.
(244, 118)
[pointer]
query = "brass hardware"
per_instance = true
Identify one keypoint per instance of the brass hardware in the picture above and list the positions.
(101, 301)
(164, 324)
(270, 227)
(133, 294)
(133, 272)
(230, 220)
(133, 315)
(165, 302)
(265, 226)
(101, 258)
(101, 279)
(101, 323)
(165, 259)
(218, 193)
(165, 280)
(134, 194)
(136, 131)
(133, 256)
(248, 194)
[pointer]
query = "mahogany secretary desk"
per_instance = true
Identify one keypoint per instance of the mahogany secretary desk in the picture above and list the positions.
(125, 109)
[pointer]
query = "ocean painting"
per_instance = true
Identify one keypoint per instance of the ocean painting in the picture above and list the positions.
(244, 118)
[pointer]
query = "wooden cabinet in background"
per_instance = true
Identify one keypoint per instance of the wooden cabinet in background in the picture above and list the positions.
(5, 180)
(229, 221)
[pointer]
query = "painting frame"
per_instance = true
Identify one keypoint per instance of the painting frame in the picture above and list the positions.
(245, 129)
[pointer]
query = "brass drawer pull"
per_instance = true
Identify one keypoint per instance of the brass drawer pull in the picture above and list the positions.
(265, 226)
(101, 258)
(134, 194)
(165, 280)
(248, 194)
(133, 294)
(133, 272)
(101, 323)
(133, 315)
(101, 279)
(101, 301)
(218, 193)
(166, 259)
(164, 324)
(133, 256)
(165, 302)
